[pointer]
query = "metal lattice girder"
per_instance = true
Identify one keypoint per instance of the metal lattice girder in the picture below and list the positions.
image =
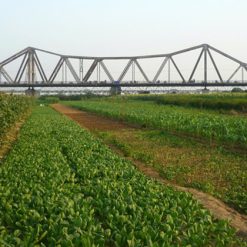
(31, 61)
(133, 71)
(15, 56)
(6, 75)
(126, 57)
(106, 71)
(31, 67)
(125, 70)
(205, 65)
(169, 70)
(185, 50)
(234, 73)
(56, 70)
(132, 57)
(40, 68)
(160, 69)
(225, 55)
(81, 69)
(215, 66)
(48, 52)
(21, 68)
(127, 85)
(91, 70)
(242, 74)
(195, 67)
(98, 71)
(74, 74)
(141, 70)
(178, 70)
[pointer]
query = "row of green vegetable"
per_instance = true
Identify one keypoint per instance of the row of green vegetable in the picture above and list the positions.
(230, 130)
(187, 163)
(12, 107)
(61, 187)
(222, 101)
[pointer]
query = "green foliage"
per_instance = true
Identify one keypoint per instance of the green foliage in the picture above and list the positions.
(61, 187)
(230, 130)
(51, 99)
(12, 107)
(237, 102)
(44, 99)
(188, 163)
(70, 97)
(237, 90)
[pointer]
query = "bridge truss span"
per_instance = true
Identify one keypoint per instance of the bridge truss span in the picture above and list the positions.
(32, 71)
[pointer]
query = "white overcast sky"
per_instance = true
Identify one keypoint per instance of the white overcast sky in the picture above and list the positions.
(126, 27)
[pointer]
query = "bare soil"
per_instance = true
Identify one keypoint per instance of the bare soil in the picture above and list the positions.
(89, 120)
(219, 209)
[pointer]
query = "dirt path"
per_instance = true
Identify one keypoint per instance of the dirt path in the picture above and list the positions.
(97, 123)
(91, 121)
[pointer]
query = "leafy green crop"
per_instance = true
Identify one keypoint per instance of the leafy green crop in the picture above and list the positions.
(222, 128)
(61, 187)
(237, 102)
(186, 162)
(12, 107)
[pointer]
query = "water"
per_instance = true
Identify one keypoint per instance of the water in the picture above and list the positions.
(124, 90)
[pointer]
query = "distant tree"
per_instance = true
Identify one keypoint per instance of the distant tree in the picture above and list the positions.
(237, 90)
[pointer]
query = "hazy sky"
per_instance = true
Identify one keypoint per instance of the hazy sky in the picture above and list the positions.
(127, 27)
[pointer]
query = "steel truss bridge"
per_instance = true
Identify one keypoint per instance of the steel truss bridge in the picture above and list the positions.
(31, 67)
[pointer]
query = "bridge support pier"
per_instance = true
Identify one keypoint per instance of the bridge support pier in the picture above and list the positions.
(31, 92)
(116, 89)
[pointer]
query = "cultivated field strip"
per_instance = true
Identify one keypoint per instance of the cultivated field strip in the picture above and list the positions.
(229, 130)
(135, 145)
(219, 102)
(60, 186)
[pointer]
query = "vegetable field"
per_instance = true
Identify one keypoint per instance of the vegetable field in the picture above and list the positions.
(230, 130)
(59, 186)
(187, 163)
(166, 144)
(226, 102)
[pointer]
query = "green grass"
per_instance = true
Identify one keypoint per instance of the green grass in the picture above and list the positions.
(61, 187)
